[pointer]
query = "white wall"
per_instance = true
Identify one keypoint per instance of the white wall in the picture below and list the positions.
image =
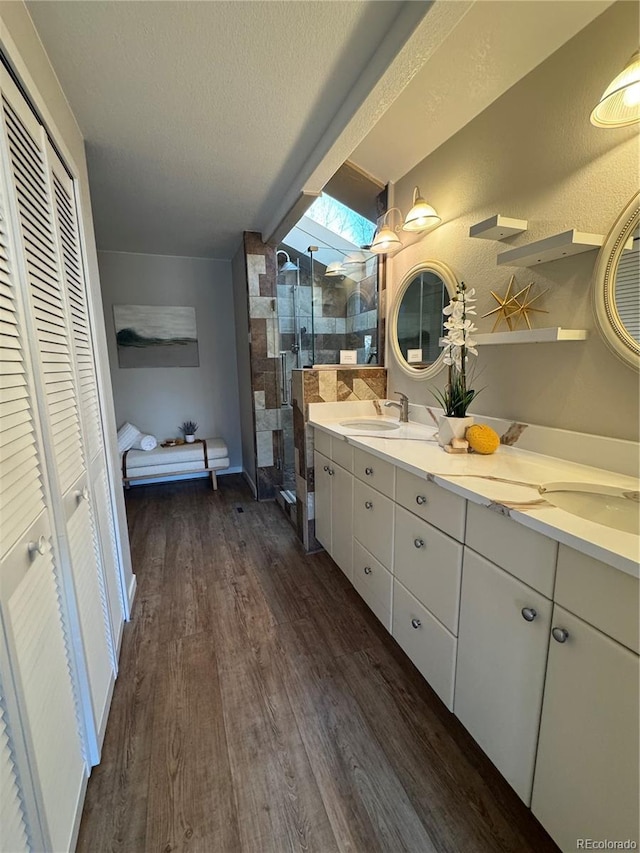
(243, 358)
(157, 399)
(533, 154)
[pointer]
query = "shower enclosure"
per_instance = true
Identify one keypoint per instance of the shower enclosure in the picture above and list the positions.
(327, 302)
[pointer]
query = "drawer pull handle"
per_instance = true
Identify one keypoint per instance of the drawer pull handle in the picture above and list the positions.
(368, 471)
(331, 472)
(37, 547)
(326, 468)
(367, 570)
(529, 613)
(421, 500)
(560, 635)
(419, 543)
(416, 623)
(82, 494)
(368, 505)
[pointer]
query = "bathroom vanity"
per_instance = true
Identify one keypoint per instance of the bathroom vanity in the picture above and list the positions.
(522, 617)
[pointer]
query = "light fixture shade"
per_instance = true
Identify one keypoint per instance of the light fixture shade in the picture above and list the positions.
(287, 266)
(619, 106)
(421, 215)
(355, 259)
(386, 240)
(335, 268)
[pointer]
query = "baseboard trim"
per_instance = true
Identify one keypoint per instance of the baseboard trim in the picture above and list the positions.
(250, 482)
(131, 593)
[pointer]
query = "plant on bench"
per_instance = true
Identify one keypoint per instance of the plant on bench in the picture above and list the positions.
(188, 429)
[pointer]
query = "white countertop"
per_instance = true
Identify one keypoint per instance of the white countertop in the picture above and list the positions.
(413, 447)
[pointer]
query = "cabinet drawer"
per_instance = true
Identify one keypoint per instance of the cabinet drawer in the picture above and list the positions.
(429, 564)
(373, 582)
(599, 594)
(342, 453)
(429, 645)
(375, 472)
(373, 522)
(322, 442)
(436, 505)
(523, 553)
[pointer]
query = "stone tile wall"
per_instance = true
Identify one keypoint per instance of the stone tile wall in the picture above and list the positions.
(323, 386)
(265, 346)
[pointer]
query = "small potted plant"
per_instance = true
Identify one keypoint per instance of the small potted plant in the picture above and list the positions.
(459, 343)
(188, 429)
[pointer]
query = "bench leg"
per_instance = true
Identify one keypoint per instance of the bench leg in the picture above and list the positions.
(214, 481)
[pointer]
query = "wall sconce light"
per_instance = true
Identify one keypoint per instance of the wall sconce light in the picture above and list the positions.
(420, 217)
(335, 268)
(619, 106)
(288, 265)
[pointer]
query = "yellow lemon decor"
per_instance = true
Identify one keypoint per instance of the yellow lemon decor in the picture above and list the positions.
(482, 438)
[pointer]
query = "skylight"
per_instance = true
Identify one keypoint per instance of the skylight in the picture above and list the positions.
(340, 219)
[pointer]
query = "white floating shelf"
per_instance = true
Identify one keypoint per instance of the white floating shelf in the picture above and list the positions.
(533, 336)
(498, 227)
(551, 249)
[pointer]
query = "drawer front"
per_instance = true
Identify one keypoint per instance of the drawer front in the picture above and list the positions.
(375, 472)
(523, 553)
(436, 505)
(429, 645)
(373, 522)
(429, 564)
(342, 453)
(373, 582)
(601, 595)
(322, 442)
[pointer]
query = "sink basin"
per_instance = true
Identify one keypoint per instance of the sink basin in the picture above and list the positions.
(617, 508)
(372, 425)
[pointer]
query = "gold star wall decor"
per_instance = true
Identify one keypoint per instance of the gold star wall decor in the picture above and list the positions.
(506, 307)
(524, 301)
(513, 309)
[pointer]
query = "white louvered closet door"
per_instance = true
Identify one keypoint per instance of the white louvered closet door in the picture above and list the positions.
(75, 284)
(42, 763)
(50, 327)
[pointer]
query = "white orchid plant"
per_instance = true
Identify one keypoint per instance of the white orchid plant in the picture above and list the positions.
(459, 344)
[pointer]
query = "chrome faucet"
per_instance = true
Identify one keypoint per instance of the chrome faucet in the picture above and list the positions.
(403, 406)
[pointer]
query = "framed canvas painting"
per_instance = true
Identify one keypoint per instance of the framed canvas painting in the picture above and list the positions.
(156, 336)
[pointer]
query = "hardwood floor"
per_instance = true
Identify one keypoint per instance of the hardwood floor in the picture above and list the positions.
(261, 708)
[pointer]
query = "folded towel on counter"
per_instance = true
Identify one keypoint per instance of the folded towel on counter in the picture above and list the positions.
(145, 442)
(128, 434)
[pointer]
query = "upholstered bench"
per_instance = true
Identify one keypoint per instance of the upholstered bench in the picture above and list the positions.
(208, 454)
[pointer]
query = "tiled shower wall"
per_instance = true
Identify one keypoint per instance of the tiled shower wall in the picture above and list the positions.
(345, 312)
(323, 386)
(264, 348)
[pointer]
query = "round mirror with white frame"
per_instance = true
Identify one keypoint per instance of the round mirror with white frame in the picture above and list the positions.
(416, 319)
(616, 286)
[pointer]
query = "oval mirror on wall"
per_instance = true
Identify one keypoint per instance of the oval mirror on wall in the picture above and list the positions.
(616, 286)
(416, 319)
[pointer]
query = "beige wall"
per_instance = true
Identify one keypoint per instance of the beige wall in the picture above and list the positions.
(21, 44)
(534, 155)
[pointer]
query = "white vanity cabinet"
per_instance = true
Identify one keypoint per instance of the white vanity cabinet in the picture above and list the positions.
(533, 645)
(334, 510)
(586, 780)
(502, 656)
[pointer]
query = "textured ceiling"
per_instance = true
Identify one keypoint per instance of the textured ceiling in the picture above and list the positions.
(198, 115)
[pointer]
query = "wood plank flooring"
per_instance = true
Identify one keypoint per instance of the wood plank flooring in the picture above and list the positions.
(261, 708)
